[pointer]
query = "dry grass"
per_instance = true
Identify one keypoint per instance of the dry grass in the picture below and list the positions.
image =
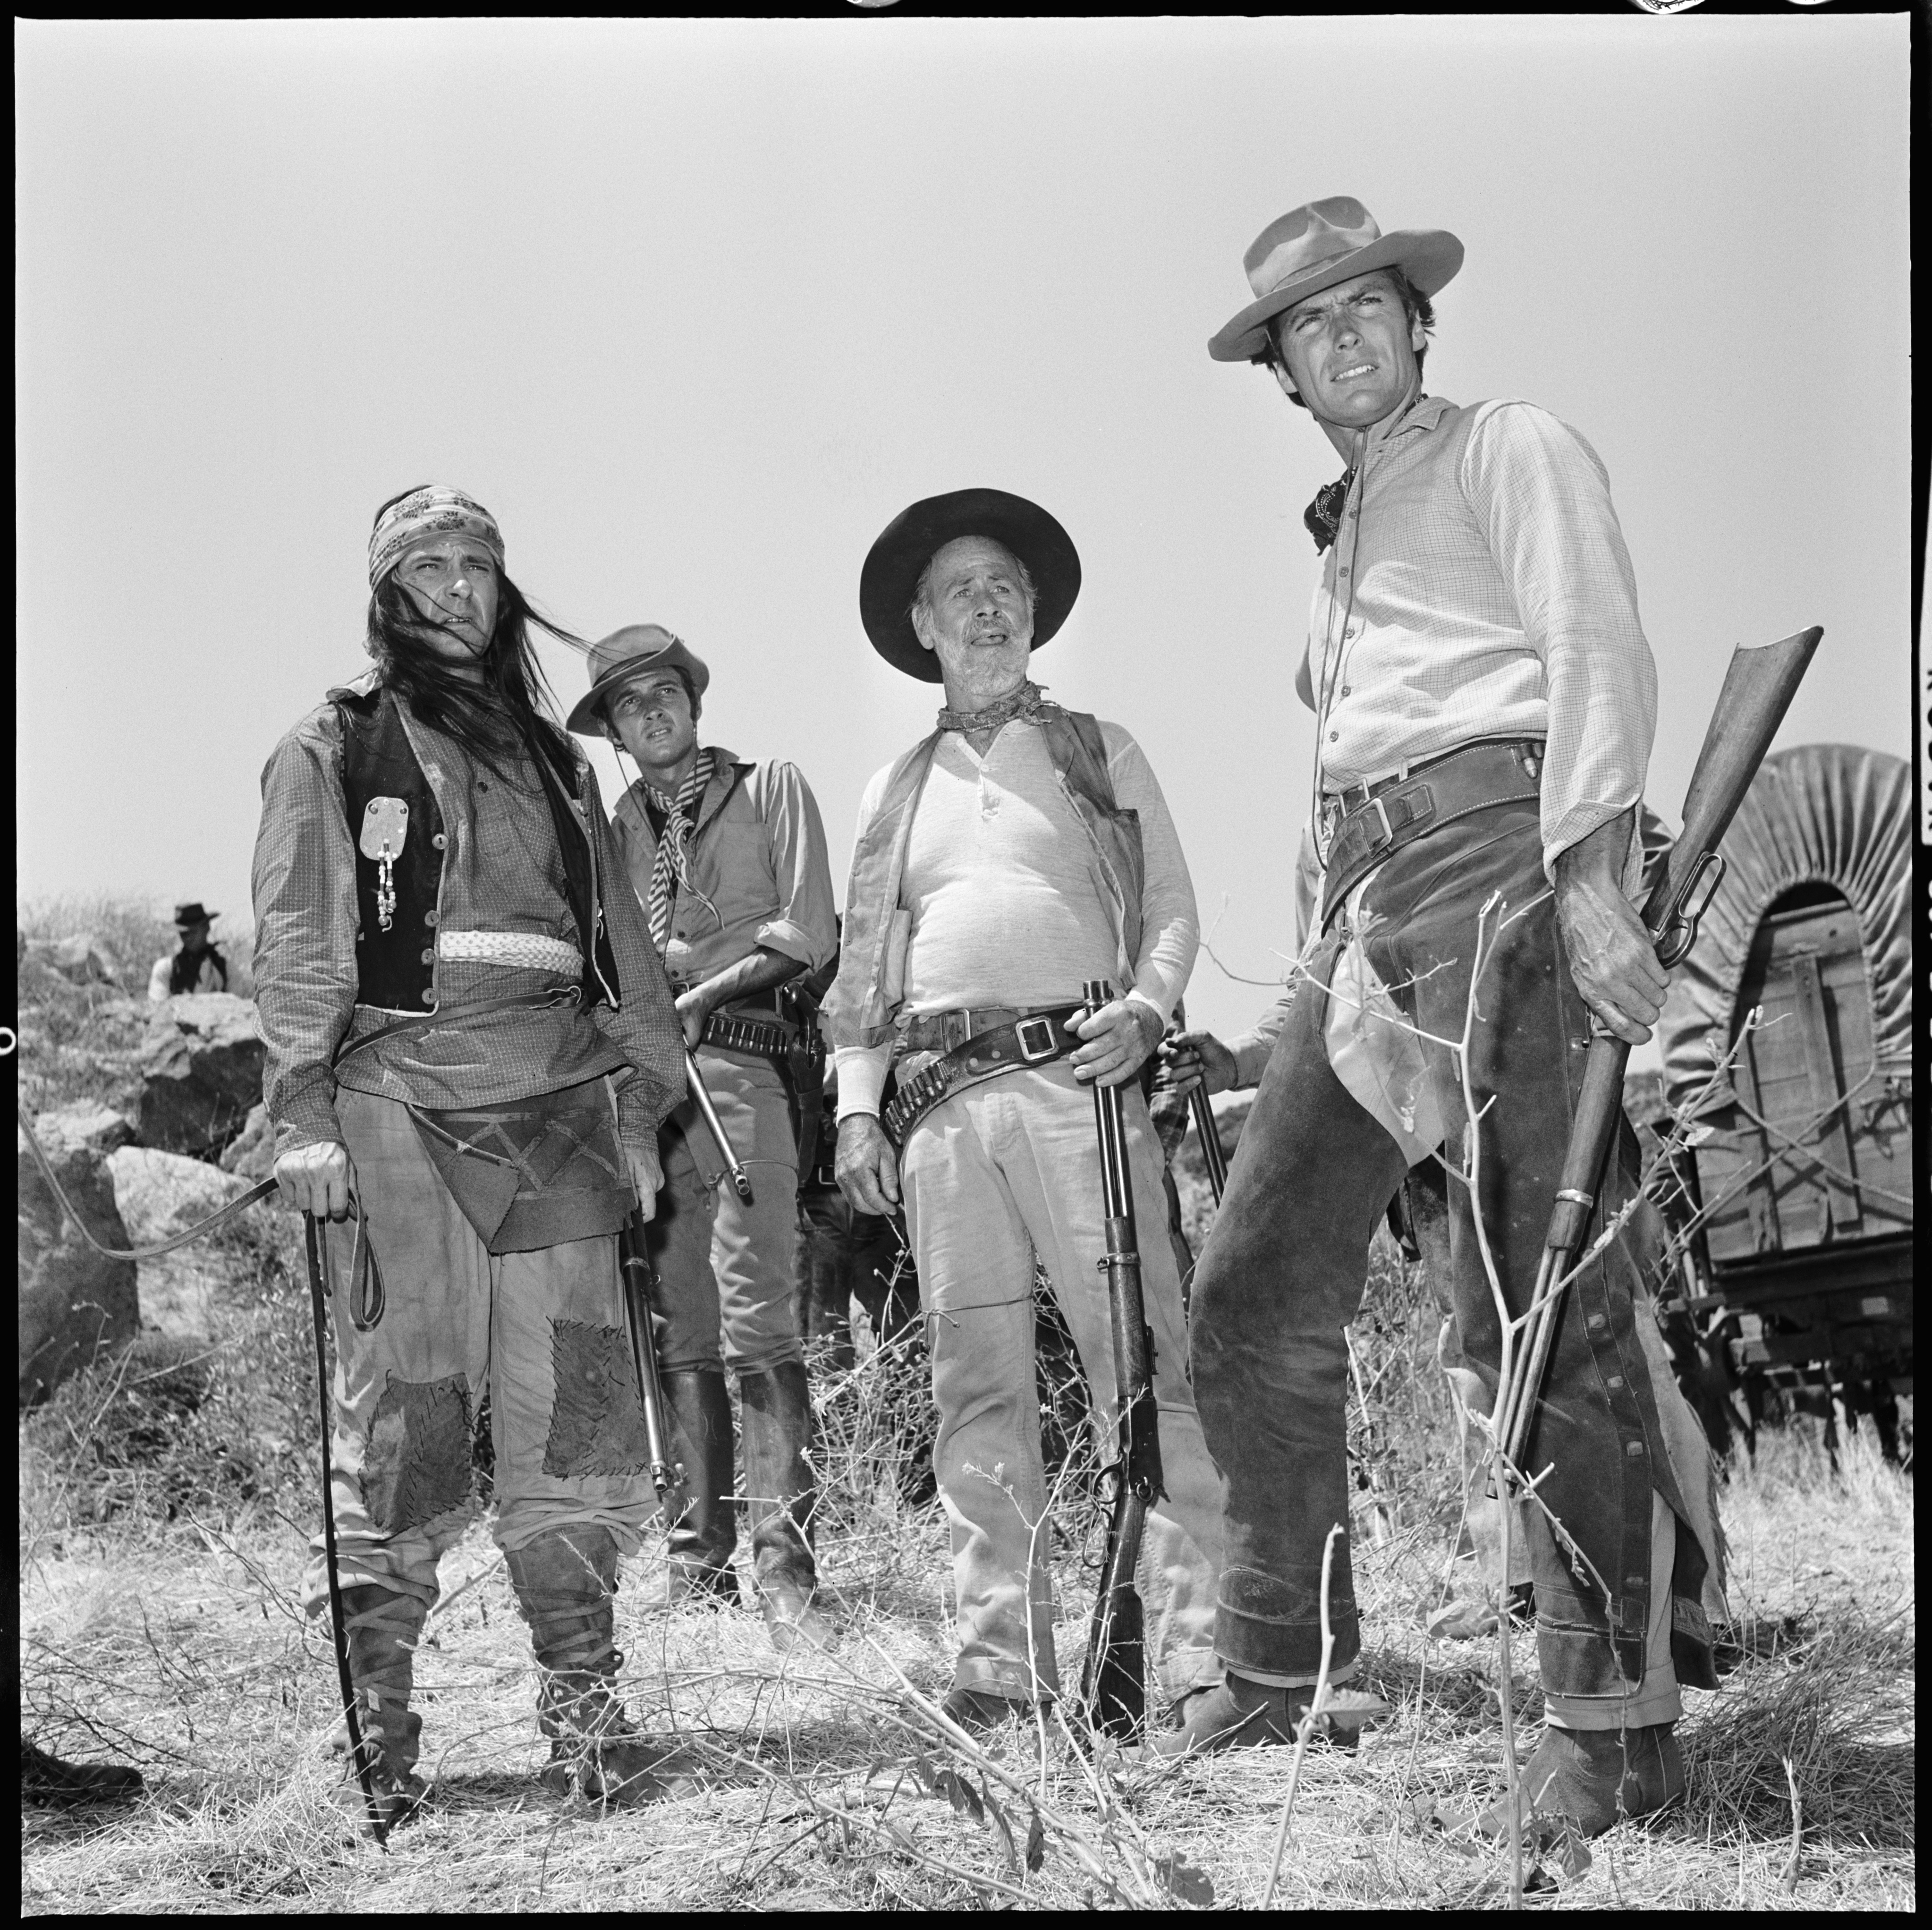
(180, 1645)
(167, 1495)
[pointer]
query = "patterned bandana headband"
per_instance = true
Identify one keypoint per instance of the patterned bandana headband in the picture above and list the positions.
(421, 516)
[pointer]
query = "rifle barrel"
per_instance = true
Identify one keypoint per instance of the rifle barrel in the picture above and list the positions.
(741, 1181)
(1212, 1157)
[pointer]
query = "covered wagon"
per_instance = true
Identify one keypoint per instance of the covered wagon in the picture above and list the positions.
(1786, 1040)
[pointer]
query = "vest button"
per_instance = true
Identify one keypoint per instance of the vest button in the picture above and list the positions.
(439, 841)
(429, 917)
(429, 956)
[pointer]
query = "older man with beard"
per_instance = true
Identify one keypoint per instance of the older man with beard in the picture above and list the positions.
(1017, 851)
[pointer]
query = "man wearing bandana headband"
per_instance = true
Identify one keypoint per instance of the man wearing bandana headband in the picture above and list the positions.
(1019, 852)
(1485, 702)
(728, 858)
(471, 1045)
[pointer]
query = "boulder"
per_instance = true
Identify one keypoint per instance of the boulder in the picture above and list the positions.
(74, 1302)
(201, 1072)
(161, 1194)
(253, 1154)
(81, 959)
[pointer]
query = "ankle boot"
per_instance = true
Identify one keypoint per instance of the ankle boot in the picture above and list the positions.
(782, 1496)
(1596, 1776)
(703, 1537)
(565, 1581)
(1238, 1714)
(383, 1626)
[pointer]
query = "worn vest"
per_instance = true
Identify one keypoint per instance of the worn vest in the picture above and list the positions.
(388, 799)
(866, 997)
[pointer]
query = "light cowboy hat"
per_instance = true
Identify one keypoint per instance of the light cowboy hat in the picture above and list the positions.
(1314, 246)
(897, 560)
(626, 654)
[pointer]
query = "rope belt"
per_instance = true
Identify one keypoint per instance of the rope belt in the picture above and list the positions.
(528, 950)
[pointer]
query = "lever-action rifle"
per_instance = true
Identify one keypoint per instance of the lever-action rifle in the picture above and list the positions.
(1113, 1685)
(1758, 689)
(634, 1262)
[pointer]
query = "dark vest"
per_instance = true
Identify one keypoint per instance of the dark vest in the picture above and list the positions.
(184, 974)
(394, 967)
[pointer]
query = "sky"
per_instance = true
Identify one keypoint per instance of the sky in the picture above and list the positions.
(696, 308)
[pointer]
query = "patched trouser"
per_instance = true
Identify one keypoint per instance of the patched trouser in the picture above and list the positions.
(725, 1269)
(543, 1332)
(991, 1177)
(1352, 1097)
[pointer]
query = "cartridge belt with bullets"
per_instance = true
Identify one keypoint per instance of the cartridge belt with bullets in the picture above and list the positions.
(973, 1046)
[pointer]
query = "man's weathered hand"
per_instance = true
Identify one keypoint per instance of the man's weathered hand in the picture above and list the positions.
(1187, 1058)
(316, 1179)
(867, 1169)
(1611, 955)
(647, 1176)
(1119, 1038)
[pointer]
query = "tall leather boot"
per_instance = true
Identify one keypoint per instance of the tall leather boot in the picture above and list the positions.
(703, 1536)
(383, 1627)
(783, 1496)
(565, 1581)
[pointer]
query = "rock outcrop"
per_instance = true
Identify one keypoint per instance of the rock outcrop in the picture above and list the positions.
(81, 959)
(161, 1194)
(201, 1072)
(74, 1302)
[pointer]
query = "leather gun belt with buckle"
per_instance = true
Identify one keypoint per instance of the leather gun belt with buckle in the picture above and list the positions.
(983, 1045)
(1367, 822)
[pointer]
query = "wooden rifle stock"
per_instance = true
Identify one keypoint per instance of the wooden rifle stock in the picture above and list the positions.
(1113, 1687)
(634, 1262)
(1757, 691)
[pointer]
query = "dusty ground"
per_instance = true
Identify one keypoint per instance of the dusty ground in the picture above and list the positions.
(181, 1645)
(165, 1497)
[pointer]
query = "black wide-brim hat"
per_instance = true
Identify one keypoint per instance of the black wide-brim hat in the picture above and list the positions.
(911, 539)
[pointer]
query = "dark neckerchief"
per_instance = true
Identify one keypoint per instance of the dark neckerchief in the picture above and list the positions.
(1024, 702)
(1323, 517)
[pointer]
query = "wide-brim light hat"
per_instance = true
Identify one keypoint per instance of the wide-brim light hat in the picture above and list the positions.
(895, 562)
(1314, 247)
(626, 654)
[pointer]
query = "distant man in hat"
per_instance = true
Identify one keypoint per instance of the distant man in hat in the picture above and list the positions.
(196, 964)
(1015, 852)
(727, 858)
(1485, 701)
(471, 1045)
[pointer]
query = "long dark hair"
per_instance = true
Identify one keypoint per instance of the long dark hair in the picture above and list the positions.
(509, 712)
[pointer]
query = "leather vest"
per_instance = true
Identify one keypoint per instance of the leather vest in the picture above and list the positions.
(861, 1005)
(398, 902)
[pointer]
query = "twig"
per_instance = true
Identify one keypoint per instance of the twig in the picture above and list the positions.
(1789, 1878)
(1306, 1728)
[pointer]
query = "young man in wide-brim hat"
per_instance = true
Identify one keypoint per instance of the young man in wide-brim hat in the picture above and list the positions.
(727, 857)
(1485, 702)
(470, 1047)
(1018, 851)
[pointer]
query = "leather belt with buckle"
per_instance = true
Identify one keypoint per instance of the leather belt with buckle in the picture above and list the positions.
(974, 1050)
(1365, 823)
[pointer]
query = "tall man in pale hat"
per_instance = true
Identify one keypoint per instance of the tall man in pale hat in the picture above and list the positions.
(470, 1047)
(1015, 852)
(1485, 701)
(727, 857)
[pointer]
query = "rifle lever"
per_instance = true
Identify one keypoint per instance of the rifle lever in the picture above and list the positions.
(1679, 933)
